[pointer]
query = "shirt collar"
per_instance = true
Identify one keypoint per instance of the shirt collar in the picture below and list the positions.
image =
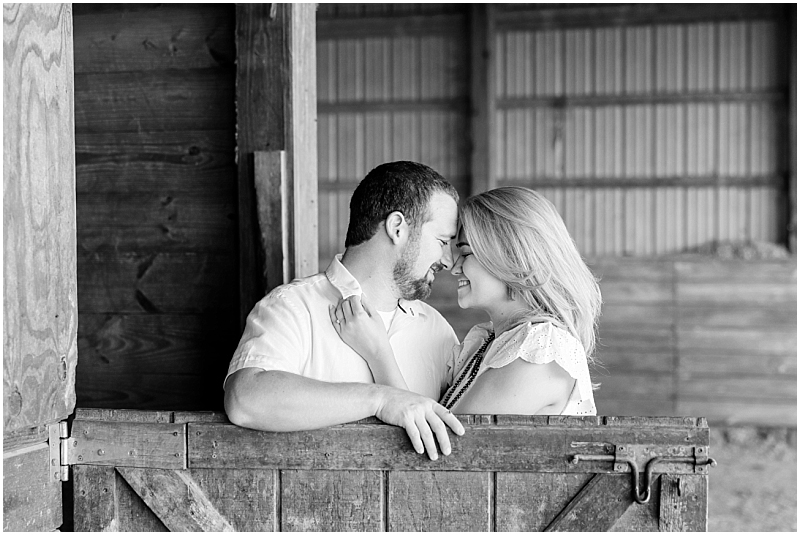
(346, 283)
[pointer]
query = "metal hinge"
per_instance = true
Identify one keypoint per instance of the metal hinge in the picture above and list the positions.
(629, 457)
(58, 433)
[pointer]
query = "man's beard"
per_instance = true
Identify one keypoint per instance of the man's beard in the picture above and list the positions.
(411, 288)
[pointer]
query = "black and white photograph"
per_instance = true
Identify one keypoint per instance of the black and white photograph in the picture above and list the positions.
(432, 267)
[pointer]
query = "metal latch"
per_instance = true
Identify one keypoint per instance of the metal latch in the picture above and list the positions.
(630, 457)
(57, 434)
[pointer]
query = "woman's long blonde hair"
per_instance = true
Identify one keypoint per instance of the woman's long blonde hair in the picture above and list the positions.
(518, 236)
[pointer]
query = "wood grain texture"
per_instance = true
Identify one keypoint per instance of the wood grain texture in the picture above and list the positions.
(94, 498)
(530, 501)
(153, 101)
(132, 513)
(162, 221)
(439, 501)
(176, 498)
(192, 161)
(542, 448)
(31, 496)
(331, 500)
(680, 503)
(272, 183)
(139, 445)
(40, 316)
(597, 506)
(246, 498)
(188, 36)
(130, 283)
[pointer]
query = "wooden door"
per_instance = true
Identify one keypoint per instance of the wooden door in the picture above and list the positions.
(39, 259)
(196, 472)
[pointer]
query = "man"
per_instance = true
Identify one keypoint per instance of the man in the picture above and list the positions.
(292, 372)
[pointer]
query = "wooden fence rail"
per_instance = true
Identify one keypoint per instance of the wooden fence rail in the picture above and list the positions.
(138, 470)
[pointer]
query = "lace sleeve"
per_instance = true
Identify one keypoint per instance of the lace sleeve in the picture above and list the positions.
(541, 343)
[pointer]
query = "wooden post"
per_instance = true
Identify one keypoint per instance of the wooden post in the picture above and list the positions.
(482, 97)
(276, 111)
(792, 204)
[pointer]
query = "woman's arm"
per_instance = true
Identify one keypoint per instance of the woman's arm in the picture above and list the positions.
(361, 327)
(518, 388)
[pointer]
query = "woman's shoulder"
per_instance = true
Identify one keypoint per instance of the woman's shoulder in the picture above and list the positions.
(538, 342)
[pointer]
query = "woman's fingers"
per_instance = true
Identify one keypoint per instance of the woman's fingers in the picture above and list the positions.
(426, 436)
(449, 419)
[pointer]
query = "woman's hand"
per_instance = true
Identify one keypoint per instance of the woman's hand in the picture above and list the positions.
(360, 327)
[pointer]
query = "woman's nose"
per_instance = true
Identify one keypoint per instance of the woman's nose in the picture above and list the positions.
(456, 270)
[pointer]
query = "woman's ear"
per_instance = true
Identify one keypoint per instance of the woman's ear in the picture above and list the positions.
(396, 227)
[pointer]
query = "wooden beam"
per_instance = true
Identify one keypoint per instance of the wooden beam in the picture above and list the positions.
(270, 177)
(792, 115)
(598, 505)
(276, 110)
(482, 96)
(176, 499)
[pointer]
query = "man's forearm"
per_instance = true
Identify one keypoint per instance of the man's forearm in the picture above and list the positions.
(282, 401)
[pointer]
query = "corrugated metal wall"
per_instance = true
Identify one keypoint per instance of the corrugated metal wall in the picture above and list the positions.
(391, 89)
(649, 139)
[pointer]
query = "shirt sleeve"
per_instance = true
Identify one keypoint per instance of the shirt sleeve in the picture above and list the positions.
(273, 336)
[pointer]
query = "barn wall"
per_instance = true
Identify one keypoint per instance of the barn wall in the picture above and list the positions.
(156, 204)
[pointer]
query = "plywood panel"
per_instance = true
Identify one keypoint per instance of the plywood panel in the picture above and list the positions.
(31, 495)
(40, 308)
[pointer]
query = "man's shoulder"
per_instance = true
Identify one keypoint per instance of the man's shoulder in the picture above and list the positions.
(429, 313)
(298, 290)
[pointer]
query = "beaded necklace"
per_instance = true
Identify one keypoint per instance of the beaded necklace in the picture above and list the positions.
(470, 370)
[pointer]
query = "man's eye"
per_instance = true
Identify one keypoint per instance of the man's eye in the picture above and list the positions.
(443, 242)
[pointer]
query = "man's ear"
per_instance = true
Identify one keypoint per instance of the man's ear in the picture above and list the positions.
(396, 227)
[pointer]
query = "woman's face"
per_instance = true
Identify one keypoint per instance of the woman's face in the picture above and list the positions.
(477, 288)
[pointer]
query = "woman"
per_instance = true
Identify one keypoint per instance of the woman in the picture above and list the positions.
(518, 263)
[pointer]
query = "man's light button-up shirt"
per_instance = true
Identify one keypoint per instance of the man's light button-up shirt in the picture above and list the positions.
(290, 330)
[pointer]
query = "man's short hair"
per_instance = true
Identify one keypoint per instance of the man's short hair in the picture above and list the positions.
(404, 187)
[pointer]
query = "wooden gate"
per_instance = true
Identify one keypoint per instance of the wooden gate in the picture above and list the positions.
(155, 471)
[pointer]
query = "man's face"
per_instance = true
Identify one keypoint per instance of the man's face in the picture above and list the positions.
(427, 250)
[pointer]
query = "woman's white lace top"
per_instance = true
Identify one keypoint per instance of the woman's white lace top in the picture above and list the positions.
(537, 343)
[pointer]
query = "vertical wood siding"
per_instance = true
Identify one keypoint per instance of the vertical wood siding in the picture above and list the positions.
(685, 117)
(386, 96)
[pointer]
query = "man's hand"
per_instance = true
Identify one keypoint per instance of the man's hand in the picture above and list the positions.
(421, 417)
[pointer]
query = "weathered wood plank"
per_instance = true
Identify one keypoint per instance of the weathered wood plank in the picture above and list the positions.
(176, 499)
(270, 176)
(177, 36)
(597, 506)
(141, 445)
(530, 501)
(625, 315)
(611, 269)
(769, 413)
(40, 314)
(640, 517)
(155, 343)
(123, 415)
(130, 283)
(132, 513)
(31, 496)
(482, 39)
(733, 271)
(607, 403)
(246, 498)
(154, 101)
(94, 498)
(25, 437)
(766, 318)
(769, 388)
(164, 221)
(439, 501)
(729, 292)
(635, 385)
(188, 161)
(698, 363)
(732, 341)
(683, 503)
(636, 292)
(203, 416)
(382, 447)
(331, 501)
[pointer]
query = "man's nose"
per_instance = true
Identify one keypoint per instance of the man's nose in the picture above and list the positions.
(447, 257)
